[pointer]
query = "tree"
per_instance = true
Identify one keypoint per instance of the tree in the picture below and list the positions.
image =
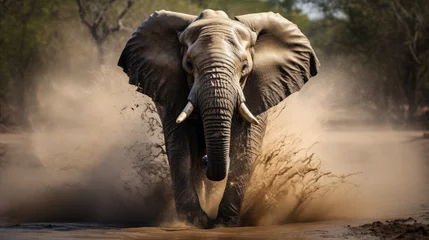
(27, 27)
(390, 37)
(100, 20)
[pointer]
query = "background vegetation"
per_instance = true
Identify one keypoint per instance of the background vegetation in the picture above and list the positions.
(380, 46)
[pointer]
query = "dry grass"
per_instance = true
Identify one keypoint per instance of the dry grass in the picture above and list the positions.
(284, 181)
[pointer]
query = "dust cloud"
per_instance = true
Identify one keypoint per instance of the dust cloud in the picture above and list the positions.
(96, 154)
(327, 157)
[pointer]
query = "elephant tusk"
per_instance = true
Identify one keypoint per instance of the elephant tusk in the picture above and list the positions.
(185, 113)
(245, 112)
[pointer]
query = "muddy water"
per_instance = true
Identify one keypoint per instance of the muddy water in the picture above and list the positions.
(389, 185)
(88, 231)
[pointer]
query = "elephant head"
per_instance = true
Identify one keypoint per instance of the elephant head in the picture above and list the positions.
(218, 66)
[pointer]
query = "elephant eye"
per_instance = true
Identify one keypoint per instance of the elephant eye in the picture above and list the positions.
(189, 67)
(244, 68)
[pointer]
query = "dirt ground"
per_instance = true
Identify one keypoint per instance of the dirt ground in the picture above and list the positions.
(409, 228)
(394, 229)
(411, 223)
(71, 231)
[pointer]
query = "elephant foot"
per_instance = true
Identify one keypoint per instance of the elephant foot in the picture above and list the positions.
(198, 219)
(228, 221)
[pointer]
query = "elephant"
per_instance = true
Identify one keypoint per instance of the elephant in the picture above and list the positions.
(212, 79)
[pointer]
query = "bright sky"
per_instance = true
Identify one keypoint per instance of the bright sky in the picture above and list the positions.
(310, 10)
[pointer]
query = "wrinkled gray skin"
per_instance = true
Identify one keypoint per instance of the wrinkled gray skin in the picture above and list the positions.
(215, 63)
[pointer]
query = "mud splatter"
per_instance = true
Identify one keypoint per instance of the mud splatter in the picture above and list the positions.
(284, 182)
(408, 228)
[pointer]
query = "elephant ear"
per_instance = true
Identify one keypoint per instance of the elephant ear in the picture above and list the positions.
(152, 57)
(283, 60)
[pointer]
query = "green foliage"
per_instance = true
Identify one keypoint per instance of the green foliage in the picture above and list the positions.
(26, 28)
(388, 37)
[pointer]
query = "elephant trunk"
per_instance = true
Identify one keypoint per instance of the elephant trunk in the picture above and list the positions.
(217, 101)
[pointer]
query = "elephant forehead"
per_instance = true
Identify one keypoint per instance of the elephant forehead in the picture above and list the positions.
(216, 26)
(212, 23)
(209, 13)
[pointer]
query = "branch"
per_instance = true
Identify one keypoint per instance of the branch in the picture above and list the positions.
(413, 53)
(82, 14)
(100, 15)
(125, 10)
(397, 10)
(121, 16)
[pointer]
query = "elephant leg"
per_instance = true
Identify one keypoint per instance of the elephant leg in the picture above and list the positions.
(196, 133)
(244, 149)
(177, 140)
(209, 193)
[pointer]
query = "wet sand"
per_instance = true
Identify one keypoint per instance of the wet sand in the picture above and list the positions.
(392, 227)
(305, 231)
(395, 229)
(409, 228)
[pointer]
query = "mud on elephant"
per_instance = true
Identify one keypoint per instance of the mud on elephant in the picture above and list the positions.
(212, 79)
